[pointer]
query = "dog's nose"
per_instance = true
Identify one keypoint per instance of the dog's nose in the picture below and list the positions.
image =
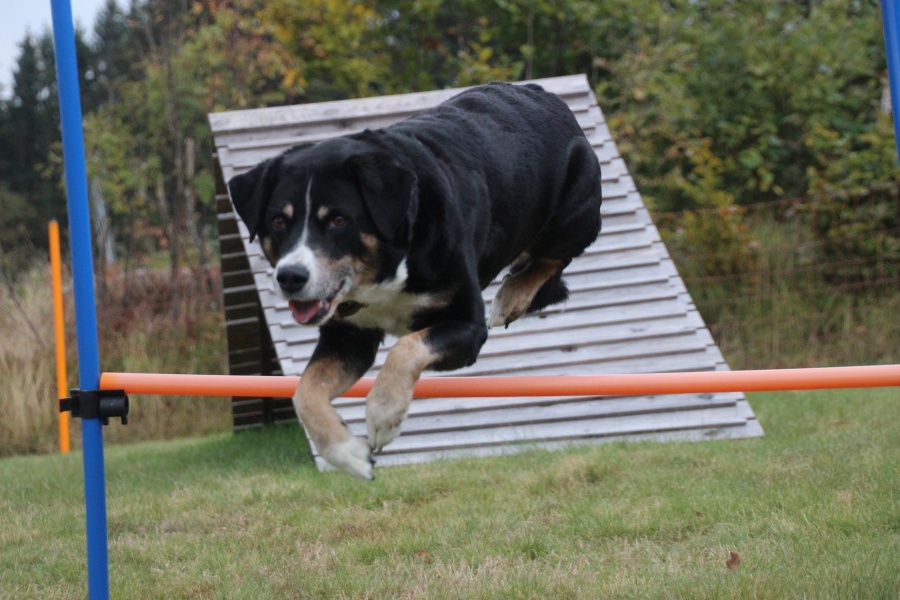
(292, 278)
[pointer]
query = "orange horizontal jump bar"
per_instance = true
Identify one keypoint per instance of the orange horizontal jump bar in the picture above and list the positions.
(565, 385)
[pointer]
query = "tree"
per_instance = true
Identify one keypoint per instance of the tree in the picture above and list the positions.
(115, 52)
(720, 98)
(34, 116)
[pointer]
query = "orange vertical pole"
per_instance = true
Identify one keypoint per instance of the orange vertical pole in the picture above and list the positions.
(59, 325)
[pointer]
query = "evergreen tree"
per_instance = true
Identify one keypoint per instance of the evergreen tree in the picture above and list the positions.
(115, 52)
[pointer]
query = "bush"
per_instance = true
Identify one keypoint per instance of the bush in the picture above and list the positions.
(859, 235)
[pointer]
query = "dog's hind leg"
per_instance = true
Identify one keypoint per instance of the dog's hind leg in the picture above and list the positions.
(527, 289)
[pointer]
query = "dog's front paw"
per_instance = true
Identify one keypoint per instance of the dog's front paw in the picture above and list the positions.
(498, 316)
(384, 420)
(353, 456)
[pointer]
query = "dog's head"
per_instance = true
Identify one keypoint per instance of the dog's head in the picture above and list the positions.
(330, 218)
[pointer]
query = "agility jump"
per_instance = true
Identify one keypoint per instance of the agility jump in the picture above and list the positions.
(567, 385)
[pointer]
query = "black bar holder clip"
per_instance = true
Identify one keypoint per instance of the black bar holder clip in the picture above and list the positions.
(96, 404)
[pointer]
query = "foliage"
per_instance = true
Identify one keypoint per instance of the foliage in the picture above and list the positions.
(762, 85)
(333, 44)
(859, 234)
(124, 177)
(720, 237)
(713, 103)
(236, 58)
(16, 243)
(816, 285)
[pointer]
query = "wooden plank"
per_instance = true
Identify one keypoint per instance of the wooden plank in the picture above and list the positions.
(560, 322)
(245, 362)
(235, 262)
(251, 368)
(600, 318)
(240, 295)
(235, 279)
(239, 312)
(576, 341)
(246, 154)
(543, 415)
(223, 202)
(592, 355)
(613, 261)
(700, 434)
(682, 353)
(563, 431)
(640, 274)
(435, 414)
(243, 355)
(668, 360)
(227, 224)
(246, 406)
(230, 243)
(654, 304)
(279, 117)
(243, 333)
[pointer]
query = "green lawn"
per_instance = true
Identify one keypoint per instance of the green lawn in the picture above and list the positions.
(813, 510)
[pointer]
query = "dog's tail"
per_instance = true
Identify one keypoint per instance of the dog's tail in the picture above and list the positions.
(552, 292)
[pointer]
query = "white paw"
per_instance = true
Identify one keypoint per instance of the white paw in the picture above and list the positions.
(383, 423)
(351, 456)
(496, 318)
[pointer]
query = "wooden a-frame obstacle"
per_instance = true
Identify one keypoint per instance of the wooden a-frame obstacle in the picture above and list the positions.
(629, 311)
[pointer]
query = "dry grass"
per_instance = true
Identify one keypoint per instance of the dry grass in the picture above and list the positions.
(138, 332)
(27, 367)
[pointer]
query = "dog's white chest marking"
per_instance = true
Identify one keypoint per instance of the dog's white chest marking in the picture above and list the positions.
(386, 306)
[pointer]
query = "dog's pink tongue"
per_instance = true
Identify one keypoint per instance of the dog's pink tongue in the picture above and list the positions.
(304, 311)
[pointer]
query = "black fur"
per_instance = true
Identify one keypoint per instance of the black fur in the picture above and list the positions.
(458, 192)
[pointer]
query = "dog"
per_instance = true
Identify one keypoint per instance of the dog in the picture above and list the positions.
(398, 230)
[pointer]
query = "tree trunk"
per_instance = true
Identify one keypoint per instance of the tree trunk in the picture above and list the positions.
(174, 244)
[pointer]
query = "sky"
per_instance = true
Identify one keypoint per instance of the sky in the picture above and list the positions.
(19, 16)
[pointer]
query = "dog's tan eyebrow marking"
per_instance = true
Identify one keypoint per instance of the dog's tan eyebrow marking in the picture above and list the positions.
(289, 211)
(267, 245)
(323, 212)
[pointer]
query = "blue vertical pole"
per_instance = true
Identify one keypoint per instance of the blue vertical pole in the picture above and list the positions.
(890, 19)
(85, 306)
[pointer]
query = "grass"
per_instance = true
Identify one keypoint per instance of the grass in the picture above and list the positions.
(138, 332)
(812, 509)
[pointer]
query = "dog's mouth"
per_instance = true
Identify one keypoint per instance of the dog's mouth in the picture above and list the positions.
(313, 312)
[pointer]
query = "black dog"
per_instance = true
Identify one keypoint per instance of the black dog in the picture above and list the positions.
(399, 229)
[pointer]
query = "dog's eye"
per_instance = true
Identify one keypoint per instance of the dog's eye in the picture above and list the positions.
(338, 221)
(279, 224)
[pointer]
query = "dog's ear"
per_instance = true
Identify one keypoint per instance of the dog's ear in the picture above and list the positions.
(389, 190)
(250, 193)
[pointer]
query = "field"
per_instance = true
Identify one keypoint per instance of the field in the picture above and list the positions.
(812, 510)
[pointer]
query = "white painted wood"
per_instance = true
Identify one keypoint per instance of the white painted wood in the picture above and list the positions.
(528, 411)
(570, 430)
(537, 447)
